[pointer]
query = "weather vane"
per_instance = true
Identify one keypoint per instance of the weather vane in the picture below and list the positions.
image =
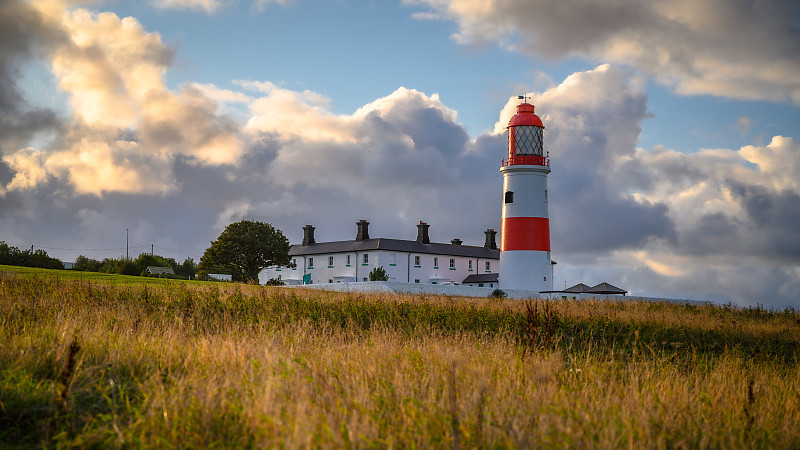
(524, 97)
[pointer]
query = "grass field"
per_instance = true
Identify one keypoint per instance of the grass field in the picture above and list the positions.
(104, 278)
(108, 362)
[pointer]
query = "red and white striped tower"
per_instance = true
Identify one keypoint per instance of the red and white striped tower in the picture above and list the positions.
(525, 238)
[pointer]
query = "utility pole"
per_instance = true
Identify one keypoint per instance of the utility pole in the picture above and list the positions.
(127, 256)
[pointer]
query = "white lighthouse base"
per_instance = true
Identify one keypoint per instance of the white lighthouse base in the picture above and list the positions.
(526, 270)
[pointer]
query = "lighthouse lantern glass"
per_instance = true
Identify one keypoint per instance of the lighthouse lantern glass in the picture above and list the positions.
(528, 140)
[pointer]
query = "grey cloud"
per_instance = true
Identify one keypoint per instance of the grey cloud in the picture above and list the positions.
(775, 221)
(713, 234)
(429, 128)
(22, 31)
(589, 218)
(732, 48)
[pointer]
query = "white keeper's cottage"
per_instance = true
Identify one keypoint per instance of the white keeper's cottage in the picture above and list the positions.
(419, 261)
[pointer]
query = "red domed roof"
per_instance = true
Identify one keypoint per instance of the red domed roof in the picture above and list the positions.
(525, 116)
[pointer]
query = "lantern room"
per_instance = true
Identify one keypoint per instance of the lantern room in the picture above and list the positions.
(525, 132)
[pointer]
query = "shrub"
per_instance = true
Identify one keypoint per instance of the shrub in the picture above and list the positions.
(498, 293)
(274, 282)
(378, 274)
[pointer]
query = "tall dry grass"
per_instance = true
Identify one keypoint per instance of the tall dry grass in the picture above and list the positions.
(243, 366)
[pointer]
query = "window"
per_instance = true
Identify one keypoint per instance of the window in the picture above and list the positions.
(330, 261)
(294, 264)
(330, 280)
(416, 280)
(365, 279)
(452, 264)
(366, 258)
(545, 195)
(279, 278)
(393, 259)
(470, 265)
(416, 261)
(528, 140)
(488, 266)
(310, 263)
(435, 263)
(509, 197)
(348, 260)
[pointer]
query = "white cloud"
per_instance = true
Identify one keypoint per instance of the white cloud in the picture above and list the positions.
(261, 5)
(28, 165)
(740, 49)
(208, 6)
(127, 128)
(387, 144)
(220, 95)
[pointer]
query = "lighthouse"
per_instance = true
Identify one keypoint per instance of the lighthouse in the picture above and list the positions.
(525, 234)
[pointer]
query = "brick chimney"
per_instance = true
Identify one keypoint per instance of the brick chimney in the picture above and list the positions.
(363, 230)
(491, 242)
(308, 235)
(422, 233)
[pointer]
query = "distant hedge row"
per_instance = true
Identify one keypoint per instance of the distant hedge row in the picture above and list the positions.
(137, 266)
(13, 256)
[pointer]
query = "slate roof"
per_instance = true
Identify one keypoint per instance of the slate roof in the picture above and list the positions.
(580, 288)
(397, 245)
(481, 278)
(605, 288)
(577, 289)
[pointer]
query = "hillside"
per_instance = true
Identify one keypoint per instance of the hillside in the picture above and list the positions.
(88, 362)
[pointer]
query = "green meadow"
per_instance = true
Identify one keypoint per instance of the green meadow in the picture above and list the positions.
(94, 360)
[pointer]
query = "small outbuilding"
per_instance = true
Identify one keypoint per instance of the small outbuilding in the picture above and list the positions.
(581, 290)
(220, 277)
(160, 271)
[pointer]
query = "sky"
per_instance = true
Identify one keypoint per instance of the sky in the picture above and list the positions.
(672, 127)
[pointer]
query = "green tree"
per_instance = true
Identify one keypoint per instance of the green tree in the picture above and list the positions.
(246, 247)
(378, 274)
(87, 264)
(187, 269)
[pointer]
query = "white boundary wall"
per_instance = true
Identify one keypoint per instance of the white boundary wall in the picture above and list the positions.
(391, 287)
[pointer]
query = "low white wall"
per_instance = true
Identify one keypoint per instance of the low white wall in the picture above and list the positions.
(417, 288)
(391, 287)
